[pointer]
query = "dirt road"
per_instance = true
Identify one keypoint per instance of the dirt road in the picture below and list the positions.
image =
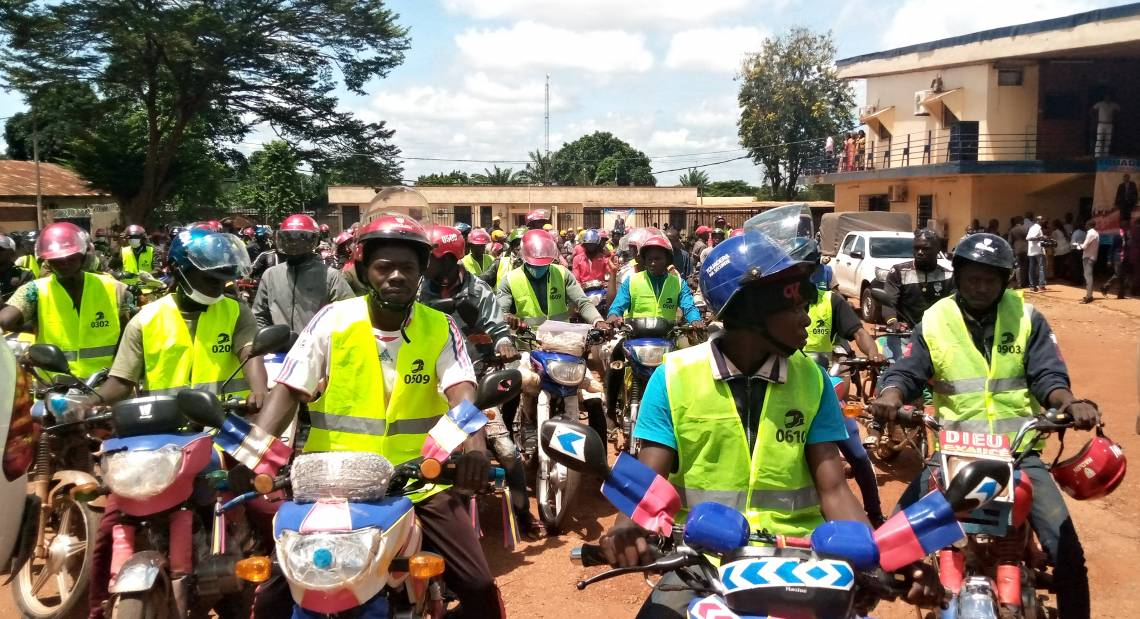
(1099, 344)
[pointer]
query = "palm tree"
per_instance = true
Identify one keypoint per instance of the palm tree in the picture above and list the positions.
(497, 176)
(695, 178)
(538, 170)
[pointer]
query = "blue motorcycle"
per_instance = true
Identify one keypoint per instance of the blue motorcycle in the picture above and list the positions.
(644, 343)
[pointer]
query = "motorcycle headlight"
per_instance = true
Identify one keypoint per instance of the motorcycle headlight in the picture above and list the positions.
(567, 373)
(650, 355)
(142, 474)
(326, 561)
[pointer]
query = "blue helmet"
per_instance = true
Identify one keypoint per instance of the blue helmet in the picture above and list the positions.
(748, 259)
(463, 228)
(592, 236)
(216, 254)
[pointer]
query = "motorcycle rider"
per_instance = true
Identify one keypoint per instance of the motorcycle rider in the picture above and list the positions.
(539, 289)
(655, 292)
(710, 413)
(194, 337)
(537, 219)
(990, 358)
(26, 246)
(137, 256)
(497, 273)
(444, 279)
(79, 311)
(357, 350)
(11, 276)
(478, 260)
(293, 291)
(591, 262)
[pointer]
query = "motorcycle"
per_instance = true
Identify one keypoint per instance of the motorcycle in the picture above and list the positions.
(169, 555)
(52, 581)
(348, 540)
(246, 289)
(145, 287)
(644, 344)
(557, 359)
(596, 291)
(998, 571)
(736, 572)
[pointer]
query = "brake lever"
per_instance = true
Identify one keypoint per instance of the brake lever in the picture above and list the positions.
(668, 563)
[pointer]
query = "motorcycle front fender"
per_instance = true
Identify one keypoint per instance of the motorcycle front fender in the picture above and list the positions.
(139, 573)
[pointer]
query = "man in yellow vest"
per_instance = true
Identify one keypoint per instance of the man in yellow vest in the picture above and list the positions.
(539, 290)
(137, 256)
(389, 368)
(26, 242)
(990, 358)
(506, 262)
(79, 311)
(477, 260)
(744, 419)
(655, 291)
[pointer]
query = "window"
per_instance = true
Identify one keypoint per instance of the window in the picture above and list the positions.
(847, 243)
(874, 202)
(592, 218)
(1009, 77)
(349, 214)
(485, 216)
(463, 214)
(860, 246)
(892, 247)
(925, 210)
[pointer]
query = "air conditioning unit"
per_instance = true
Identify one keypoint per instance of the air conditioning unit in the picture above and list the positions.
(867, 110)
(896, 193)
(919, 97)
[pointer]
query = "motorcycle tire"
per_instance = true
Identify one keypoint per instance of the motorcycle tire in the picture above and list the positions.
(554, 509)
(83, 522)
(150, 604)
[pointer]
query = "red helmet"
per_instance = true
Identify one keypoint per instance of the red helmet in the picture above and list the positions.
(1096, 470)
(496, 248)
(538, 248)
(537, 215)
(478, 236)
(736, 232)
(302, 223)
(655, 238)
(605, 234)
(135, 230)
(60, 240)
(635, 237)
(447, 241)
(247, 232)
(324, 228)
(213, 225)
(703, 230)
(343, 237)
(394, 228)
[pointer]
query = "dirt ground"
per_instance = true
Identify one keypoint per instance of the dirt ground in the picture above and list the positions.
(1099, 342)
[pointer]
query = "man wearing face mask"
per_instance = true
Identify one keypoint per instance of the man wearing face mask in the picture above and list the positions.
(541, 290)
(990, 359)
(136, 257)
(293, 291)
(78, 311)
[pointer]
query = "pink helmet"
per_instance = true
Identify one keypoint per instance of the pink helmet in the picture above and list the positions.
(538, 248)
(655, 238)
(300, 223)
(536, 215)
(60, 240)
(478, 236)
(447, 241)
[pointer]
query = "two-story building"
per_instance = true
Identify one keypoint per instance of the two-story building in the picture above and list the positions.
(995, 124)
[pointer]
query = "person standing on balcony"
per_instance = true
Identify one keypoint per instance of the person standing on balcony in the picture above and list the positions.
(1106, 110)
(860, 150)
(1036, 253)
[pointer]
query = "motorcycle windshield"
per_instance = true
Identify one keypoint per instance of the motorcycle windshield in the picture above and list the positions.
(785, 225)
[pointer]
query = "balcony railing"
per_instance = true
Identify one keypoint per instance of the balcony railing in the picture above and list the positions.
(956, 144)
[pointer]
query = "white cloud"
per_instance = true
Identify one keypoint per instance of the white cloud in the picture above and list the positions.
(530, 45)
(720, 114)
(713, 49)
(919, 21)
(594, 14)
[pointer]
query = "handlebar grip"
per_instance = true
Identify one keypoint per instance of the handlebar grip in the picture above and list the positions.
(909, 416)
(588, 555)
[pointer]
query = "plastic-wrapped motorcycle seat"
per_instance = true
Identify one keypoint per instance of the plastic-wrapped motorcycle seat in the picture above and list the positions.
(355, 476)
(565, 342)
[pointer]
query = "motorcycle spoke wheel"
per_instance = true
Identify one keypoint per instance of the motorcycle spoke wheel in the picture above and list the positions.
(55, 586)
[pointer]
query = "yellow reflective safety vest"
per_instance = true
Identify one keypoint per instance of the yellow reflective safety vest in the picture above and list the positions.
(970, 394)
(820, 333)
(88, 337)
(506, 265)
(29, 262)
(354, 413)
(645, 303)
(526, 303)
(174, 361)
(772, 486)
(476, 267)
(144, 262)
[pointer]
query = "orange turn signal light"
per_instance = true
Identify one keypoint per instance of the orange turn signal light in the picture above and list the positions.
(425, 565)
(263, 483)
(853, 409)
(430, 468)
(254, 569)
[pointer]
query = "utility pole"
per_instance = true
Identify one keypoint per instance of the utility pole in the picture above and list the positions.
(546, 168)
(36, 159)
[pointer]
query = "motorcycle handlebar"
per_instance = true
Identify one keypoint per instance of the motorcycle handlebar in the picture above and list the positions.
(588, 555)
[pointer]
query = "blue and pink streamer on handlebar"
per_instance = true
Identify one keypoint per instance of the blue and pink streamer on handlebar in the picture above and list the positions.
(257, 449)
(643, 495)
(451, 430)
(917, 531)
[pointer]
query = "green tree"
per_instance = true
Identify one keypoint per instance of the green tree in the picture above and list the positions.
(497, 176)
(62, 112)
(538, 170)
(731, 188)
(274, 185)
(695, 178)
(791, 94)
(238, 64)
(600, 159)
(454, 177)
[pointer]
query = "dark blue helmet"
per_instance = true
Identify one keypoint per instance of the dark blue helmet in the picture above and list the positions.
(748, 259)
(592, 236)
(216, 254)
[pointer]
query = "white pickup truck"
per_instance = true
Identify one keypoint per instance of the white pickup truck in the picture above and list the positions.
(863, 261)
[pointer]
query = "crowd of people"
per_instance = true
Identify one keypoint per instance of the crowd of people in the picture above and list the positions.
(362, 308)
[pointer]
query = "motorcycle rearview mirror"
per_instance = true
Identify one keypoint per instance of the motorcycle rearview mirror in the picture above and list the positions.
(977, 483)
(575, 446)
(47, 357)
(851, 540)
(716, 527)
(497, 388)
(65, 380)
(98, 378)
(201, 407)
(882, 297)
(270, 339)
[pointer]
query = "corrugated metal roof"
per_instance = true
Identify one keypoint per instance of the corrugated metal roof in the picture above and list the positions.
(18, 178)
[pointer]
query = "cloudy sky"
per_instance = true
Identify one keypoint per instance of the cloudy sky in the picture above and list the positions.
(656, 73)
